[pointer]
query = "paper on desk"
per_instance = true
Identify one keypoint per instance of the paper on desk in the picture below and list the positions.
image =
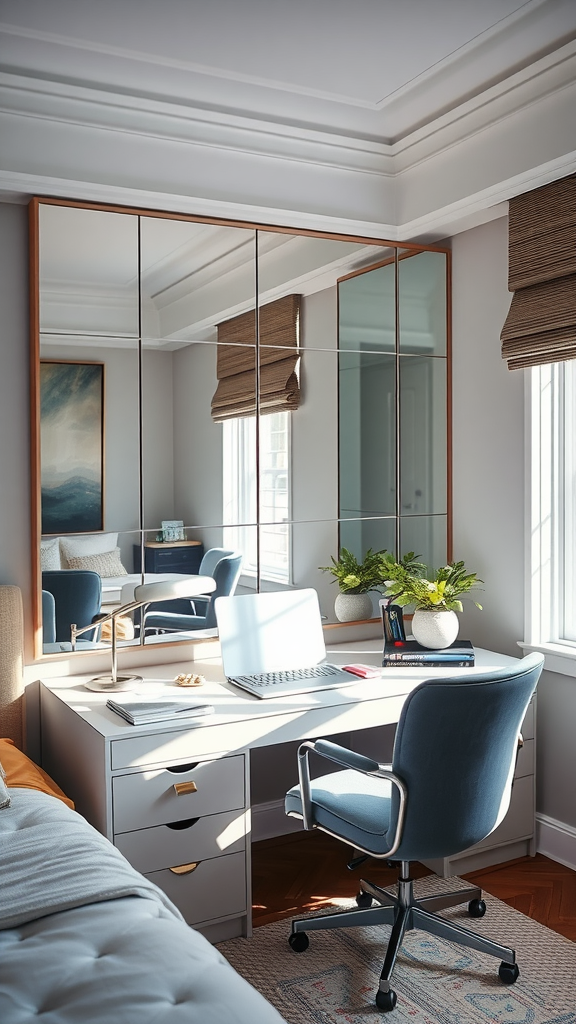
(143, 712)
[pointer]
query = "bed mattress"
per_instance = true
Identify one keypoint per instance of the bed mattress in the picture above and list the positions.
(130, 959)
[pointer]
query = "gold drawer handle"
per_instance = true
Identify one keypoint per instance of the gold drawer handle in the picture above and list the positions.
(185, 869)
(185, 787)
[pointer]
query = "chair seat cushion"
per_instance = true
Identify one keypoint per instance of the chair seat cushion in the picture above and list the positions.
(171, 620)
(349, 804)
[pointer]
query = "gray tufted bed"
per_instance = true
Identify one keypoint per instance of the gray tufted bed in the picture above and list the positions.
(84, 938)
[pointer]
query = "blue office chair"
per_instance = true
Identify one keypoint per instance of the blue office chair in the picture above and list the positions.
(224, 566)
(77, 596)
(448, 787)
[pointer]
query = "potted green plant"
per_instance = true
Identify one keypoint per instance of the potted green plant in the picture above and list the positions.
(436, 601)
(355, 581)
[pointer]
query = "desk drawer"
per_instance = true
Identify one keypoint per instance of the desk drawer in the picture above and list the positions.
(151, 798)
(152, 849)
(169, 559)
(214, 889)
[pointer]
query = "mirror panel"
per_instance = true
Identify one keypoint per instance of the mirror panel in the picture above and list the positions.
(310, 545)
(89, 428)
(367, 309)
(308, 265)
(307, 444)
(426, 536)
(422, 302)
(423, 435)
(88, 274)
(367, 433)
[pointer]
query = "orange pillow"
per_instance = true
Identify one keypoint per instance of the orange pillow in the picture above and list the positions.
(22, 773)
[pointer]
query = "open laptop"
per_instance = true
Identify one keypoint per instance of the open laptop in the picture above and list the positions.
(273, 644)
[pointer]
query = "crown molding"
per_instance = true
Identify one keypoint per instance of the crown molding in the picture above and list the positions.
(552, 74)
(19, 188)
(486, 205)
(31, 97)
(180, 123)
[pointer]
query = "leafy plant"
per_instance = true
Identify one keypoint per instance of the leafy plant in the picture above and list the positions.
(356, 577)
(406, 583)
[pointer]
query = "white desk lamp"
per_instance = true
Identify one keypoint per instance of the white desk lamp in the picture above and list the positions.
(144, 594)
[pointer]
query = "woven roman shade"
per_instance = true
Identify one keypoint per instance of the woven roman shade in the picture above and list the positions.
(541, 323)
(279, 354)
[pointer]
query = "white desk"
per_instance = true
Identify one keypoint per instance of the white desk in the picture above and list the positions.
(122, 777)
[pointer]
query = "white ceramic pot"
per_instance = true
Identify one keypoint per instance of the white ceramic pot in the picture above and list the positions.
(353, 607)
(435, 628)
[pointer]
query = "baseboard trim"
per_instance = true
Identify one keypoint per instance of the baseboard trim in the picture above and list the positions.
(556, 840)
(270, 820)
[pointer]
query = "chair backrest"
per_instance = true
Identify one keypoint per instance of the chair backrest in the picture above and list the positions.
(455, 748)
(48, 618)
(224, 567)
(211, 558)
(77, 594)
(226, 573)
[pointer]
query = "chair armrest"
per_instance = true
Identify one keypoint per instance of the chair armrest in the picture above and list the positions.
(347, 758)
(356, 762)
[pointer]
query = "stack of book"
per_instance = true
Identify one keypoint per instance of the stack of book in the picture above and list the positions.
(144, 712)
(460, 654)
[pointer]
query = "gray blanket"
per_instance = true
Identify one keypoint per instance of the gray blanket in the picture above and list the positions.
(51, 859)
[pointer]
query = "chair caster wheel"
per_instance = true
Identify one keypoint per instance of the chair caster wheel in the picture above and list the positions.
(386, 1000)
(363, 899)
(508, 973)
(476, 908)
(298, 941)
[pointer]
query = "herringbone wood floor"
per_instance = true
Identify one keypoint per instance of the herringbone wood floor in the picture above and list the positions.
(294, 874)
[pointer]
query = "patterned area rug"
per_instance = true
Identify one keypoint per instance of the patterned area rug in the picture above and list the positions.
(335, 980)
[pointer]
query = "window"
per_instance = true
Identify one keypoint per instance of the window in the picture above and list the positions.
(239, 494)
(552, 501)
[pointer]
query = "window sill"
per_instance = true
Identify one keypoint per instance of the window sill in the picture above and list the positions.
(558, 657)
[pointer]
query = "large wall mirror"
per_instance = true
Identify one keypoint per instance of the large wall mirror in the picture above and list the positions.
(208, 385)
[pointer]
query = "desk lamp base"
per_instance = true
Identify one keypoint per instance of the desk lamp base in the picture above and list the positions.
(107, 683)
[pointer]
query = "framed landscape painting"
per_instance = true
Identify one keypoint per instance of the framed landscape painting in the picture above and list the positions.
(72, 446)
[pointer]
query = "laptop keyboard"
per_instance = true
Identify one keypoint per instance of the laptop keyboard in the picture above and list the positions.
(294, 680)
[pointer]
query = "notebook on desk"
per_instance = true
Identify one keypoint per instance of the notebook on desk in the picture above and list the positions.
(273, 644)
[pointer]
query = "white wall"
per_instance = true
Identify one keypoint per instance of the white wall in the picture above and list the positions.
(14, 405)
(197, 439)
(488, 440)
(488, 467)
(157, 438)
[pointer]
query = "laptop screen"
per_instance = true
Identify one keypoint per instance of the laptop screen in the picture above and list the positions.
(270, 632)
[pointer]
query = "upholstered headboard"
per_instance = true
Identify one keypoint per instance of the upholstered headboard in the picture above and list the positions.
(12, 665)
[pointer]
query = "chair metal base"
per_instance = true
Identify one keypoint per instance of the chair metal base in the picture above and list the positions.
(404, 912)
